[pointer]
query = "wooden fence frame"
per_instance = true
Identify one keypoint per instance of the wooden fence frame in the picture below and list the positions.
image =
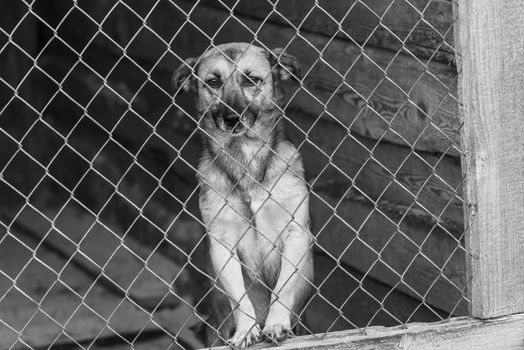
(491, 87)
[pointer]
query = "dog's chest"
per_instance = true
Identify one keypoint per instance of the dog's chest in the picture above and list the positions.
(246, 164)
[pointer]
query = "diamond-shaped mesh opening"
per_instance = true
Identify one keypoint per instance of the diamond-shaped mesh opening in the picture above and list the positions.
(133, 216)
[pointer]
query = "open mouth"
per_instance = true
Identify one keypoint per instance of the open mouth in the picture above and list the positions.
(235, 125)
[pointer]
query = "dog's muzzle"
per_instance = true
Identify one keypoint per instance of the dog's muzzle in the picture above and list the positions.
(235, 123)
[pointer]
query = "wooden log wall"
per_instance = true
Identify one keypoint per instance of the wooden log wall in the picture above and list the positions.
(379, 130)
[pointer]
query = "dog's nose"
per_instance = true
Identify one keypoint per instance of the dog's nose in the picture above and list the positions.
(231, 120)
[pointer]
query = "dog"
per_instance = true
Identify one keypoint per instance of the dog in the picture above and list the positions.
(253, 198)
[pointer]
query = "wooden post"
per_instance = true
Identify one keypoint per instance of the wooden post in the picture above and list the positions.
(492, 95)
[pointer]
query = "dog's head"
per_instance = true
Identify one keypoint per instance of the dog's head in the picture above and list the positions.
(237, 86)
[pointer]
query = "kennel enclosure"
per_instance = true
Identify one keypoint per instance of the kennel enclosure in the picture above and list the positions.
(408, 120)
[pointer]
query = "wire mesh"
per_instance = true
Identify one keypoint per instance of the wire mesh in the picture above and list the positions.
(99, 167)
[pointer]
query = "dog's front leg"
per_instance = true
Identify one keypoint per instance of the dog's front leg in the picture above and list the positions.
(293, 283)
(227, 224)
(229, 271)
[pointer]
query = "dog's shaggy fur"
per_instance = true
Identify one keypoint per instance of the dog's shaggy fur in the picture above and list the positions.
(253, 199)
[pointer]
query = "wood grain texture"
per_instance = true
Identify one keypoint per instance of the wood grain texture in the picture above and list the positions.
(54, 302)
(127, 267)
(338, 163)
(492, 90)
(382, 170)
(418, 259)
(135, 111)
(380, 94)
(457, 333)
(344, 303)
(421, 27)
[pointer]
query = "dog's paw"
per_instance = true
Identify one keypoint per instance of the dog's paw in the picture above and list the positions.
(245, 337)
(277, 332)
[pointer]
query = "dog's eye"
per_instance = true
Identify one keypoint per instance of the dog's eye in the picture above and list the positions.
(213, 83)
(252, 81)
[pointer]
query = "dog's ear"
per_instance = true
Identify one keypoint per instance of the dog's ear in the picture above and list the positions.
(287, 66)
(182, 78)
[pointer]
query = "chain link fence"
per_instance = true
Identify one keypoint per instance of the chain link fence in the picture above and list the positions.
(103, 245)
